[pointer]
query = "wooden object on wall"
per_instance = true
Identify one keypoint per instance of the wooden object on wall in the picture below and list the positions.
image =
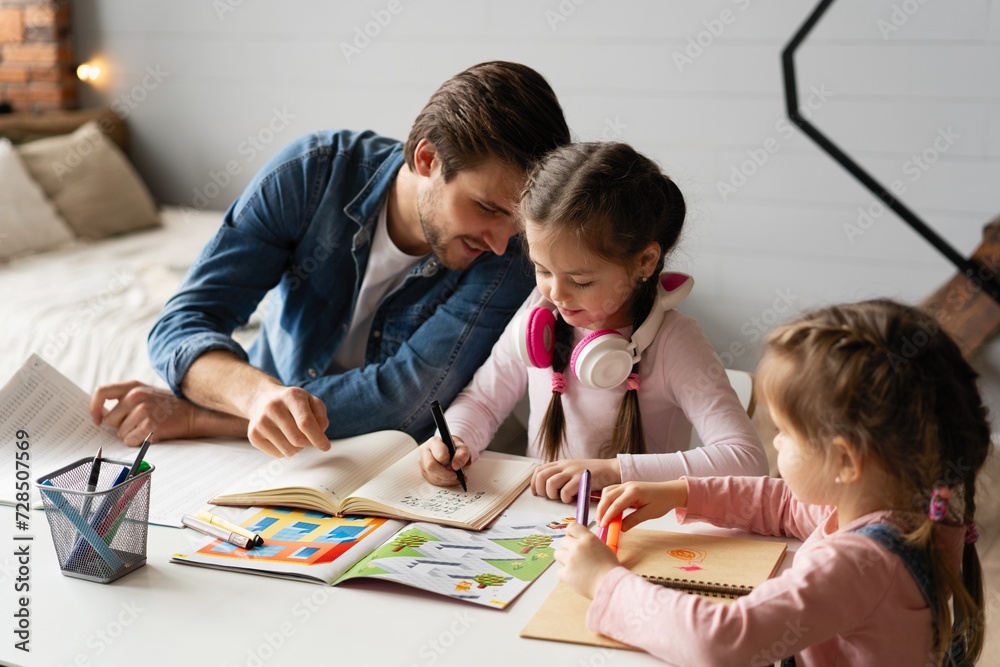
(963, 309)
(37, 70)
(23, 126)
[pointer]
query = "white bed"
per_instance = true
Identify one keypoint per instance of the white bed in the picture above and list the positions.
(87, 308)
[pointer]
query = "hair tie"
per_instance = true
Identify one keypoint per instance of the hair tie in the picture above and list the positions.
(971, 534)
(558, 383)
(939, 504)
(632, 382)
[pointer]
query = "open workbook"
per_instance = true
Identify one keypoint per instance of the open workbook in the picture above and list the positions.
(719, 568)
(379, 474)
(490, 567)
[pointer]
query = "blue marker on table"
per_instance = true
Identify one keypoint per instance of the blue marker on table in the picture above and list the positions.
(583, 499)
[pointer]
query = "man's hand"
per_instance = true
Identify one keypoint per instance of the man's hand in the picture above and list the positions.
(142, 408)
(285, 420)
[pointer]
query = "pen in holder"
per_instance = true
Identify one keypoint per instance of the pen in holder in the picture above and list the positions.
(111, 541)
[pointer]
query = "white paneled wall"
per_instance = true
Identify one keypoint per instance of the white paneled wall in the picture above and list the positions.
(211, 84)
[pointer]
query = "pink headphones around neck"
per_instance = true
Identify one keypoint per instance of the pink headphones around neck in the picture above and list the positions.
(604, 358)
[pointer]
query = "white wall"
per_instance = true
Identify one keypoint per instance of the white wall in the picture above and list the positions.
(200, 78)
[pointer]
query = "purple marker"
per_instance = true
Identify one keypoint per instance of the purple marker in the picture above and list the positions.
(583, 500)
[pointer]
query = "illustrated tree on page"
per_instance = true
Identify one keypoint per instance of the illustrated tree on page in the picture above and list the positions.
(410, 540)
(535, 542)
(489, 579)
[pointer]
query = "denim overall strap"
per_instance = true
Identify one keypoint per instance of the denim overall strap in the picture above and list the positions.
(916, 562)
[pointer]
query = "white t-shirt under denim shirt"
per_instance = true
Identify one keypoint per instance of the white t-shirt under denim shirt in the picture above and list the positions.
(387, 267)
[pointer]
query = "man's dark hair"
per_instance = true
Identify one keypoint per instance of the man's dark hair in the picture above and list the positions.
(496, 109)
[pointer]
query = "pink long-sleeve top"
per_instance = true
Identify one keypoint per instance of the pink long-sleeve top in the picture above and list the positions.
(682, 383)
(844, 601)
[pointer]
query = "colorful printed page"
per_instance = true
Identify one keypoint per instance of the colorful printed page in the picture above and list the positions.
(489, 568)
(298, 544)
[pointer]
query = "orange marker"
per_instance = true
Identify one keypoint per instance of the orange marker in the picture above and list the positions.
(614, 533)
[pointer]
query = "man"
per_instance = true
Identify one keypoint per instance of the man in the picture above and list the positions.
(393, 271)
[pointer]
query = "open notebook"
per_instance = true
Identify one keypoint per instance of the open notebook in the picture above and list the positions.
(378, 474)
(719, 568)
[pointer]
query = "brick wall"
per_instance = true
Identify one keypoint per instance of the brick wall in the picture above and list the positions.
(36, 55)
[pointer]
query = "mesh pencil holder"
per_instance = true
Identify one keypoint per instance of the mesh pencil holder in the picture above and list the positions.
(98, 535)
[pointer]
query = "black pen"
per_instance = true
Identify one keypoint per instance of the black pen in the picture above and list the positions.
(442, 427)
(134, 470)
(95, 474)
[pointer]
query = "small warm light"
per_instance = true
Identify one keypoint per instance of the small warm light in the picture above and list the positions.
(88, 72)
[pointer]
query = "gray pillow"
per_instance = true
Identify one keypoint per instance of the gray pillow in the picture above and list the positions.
(91, 182)
(28, 221)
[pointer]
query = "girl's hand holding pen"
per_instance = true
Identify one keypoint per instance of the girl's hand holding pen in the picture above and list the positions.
(585, 559)
(651, 499)
(434, 461)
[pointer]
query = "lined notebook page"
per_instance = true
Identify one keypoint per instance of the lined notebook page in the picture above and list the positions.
(493, 483)
(339, 472)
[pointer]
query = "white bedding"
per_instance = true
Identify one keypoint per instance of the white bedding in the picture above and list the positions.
(88, 308)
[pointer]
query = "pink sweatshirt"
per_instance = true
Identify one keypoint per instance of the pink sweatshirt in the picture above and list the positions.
(844, 601)
(682, 382)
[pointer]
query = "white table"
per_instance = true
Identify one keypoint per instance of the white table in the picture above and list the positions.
(170, 614)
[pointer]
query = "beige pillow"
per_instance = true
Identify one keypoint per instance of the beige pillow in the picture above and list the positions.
(28, 220)
(91, 182)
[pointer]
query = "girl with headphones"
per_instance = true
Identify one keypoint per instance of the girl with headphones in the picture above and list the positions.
(615, 376)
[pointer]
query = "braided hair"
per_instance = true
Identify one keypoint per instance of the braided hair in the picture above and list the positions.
(884, 377)
(615, 202)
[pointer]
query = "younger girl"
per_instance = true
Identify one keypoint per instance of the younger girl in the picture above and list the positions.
(881, 435)
(599, 218)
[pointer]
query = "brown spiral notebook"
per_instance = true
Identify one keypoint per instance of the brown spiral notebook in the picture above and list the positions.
(719, 568)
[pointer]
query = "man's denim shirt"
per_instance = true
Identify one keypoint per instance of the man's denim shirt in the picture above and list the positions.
(304, 225)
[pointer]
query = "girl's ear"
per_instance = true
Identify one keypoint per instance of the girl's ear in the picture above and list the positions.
(848, 461)
(648, 258)
(424, 158)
